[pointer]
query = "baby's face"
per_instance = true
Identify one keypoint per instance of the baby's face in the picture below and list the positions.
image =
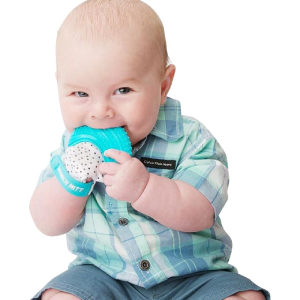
(111, 85)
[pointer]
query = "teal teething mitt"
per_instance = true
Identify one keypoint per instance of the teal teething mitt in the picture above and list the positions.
(103, 139)
(85, 152)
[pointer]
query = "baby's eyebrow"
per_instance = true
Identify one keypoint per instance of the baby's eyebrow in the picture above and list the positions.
(119, 83)
(73, 86)
(130, 80)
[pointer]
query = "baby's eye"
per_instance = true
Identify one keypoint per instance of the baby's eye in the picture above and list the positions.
(81, 94)
(122, 90)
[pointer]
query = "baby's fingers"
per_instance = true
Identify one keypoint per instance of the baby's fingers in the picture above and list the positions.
(110, 168)
(119, 156)
(108, 180)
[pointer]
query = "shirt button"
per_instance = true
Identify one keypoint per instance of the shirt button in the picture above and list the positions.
(145, 265)
(123, 221)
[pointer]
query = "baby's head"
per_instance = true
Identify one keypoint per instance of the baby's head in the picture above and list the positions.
(112, 66)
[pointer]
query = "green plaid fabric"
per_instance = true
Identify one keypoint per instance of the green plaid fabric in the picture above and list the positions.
(133, 247)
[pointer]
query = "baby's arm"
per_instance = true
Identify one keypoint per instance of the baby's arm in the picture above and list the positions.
(54, 210)
(57, 204)
(173, 203)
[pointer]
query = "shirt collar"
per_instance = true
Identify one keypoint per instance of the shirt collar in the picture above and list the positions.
(169, 121)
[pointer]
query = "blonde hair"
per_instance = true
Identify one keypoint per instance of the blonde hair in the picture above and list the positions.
(98, 21)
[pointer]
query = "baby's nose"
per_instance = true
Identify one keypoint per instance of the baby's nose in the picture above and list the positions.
(101, 111)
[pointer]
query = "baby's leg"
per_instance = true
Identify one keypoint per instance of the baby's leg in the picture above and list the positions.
(84, 282)
(247, 295)
(52, 294)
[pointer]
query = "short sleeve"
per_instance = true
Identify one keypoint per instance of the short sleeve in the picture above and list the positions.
(48, 172)
(204, 166)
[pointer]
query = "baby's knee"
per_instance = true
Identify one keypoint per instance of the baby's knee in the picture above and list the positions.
(247, 295)
(57, 295)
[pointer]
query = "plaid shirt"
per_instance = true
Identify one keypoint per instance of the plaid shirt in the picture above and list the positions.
(133, 247)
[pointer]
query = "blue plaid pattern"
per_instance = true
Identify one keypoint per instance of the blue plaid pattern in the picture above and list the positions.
(119, 249)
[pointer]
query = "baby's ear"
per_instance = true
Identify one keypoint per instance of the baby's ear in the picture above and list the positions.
(167, 82)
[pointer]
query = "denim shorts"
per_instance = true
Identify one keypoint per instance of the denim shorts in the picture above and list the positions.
(88, 282)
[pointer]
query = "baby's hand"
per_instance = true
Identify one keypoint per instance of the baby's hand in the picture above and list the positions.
(125, 180)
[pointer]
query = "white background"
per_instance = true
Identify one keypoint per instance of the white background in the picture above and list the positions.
(238, 71)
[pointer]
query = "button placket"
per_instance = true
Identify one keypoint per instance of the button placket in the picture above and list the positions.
(131, 234)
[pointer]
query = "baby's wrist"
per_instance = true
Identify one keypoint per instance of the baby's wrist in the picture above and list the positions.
(70, 184)
(142, 200)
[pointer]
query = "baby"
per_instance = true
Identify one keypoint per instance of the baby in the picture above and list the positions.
(151, 230)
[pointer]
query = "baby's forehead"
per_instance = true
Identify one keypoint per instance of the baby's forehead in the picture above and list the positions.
(100, 21)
